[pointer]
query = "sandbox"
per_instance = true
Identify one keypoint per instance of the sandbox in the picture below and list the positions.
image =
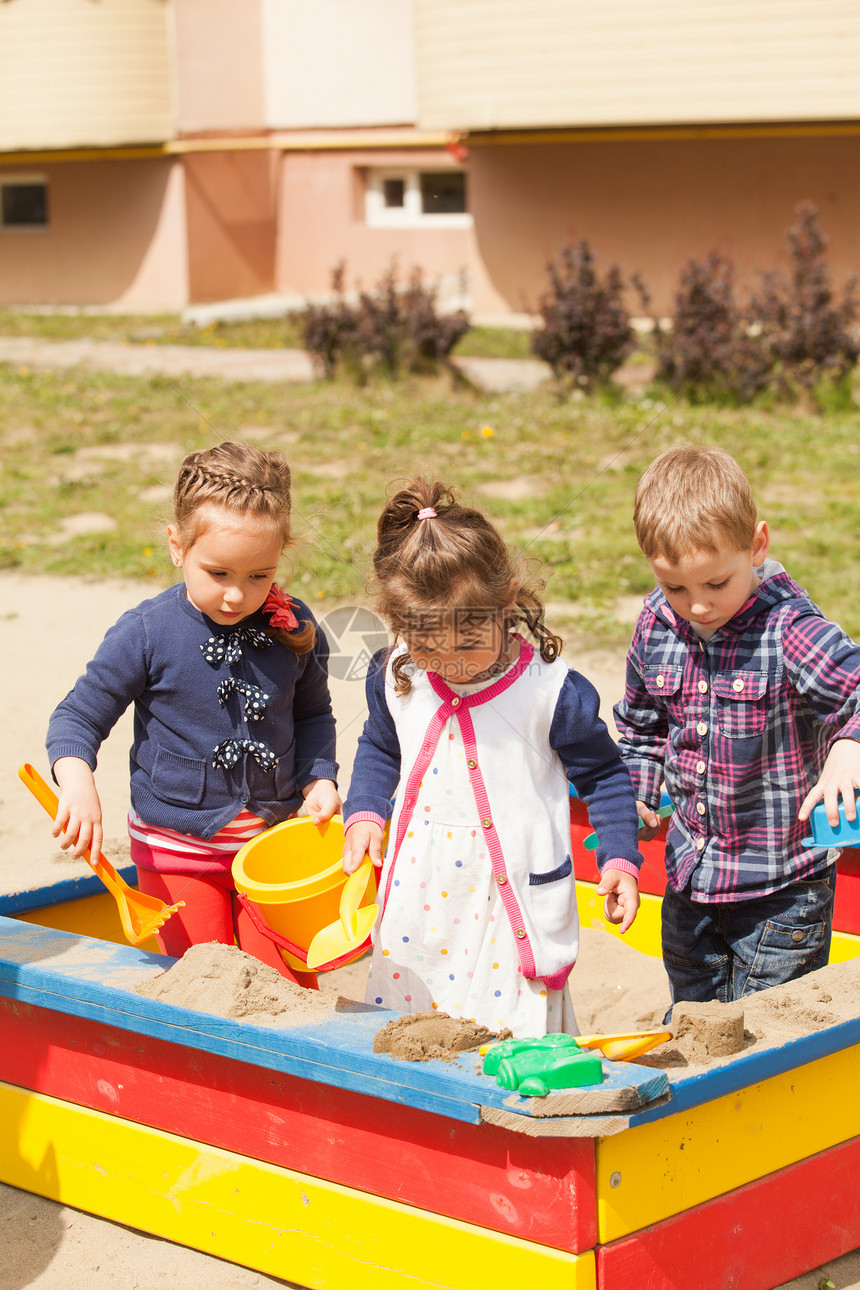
(294, 1148)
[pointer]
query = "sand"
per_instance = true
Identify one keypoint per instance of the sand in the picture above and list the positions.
(226, 982)
(48, 630)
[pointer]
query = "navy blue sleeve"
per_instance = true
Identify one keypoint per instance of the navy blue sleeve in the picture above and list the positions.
(313, 719)
(114, 679)
(595, 769)
(376, 769)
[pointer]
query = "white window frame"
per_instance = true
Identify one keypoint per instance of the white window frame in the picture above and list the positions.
(18, 181)
(410, 214)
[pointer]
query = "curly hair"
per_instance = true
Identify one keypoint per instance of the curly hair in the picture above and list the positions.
(246, 482)
(454, 560)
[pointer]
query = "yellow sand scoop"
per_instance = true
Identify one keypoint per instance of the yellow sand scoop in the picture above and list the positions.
(140, 915)
(354, 924)
(616, 1048)
(624, 1047)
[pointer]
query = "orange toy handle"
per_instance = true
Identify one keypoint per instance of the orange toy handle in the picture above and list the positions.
(46, 796)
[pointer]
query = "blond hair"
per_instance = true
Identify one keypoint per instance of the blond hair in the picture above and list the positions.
(246, 482)
(455, 559)
(693, 499)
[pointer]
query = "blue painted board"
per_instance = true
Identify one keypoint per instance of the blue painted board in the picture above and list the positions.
(57, 893)
(90, 978)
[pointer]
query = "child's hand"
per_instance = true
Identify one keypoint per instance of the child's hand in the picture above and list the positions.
(650, 822)
(622, 897)
(362, 838)
(322, 799)
(840, 777)
(78, 823)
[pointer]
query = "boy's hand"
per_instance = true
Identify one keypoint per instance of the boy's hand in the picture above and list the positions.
(363, 838)
(622, 897)
(322, 799)
(78, 822)
(840, 777)
(650, 822)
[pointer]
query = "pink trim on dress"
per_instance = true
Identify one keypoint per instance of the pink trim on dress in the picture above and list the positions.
(458, 705)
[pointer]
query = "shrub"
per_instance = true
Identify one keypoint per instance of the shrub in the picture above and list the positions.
(328, 331)
(809, 334)
(710, 350)
(392, 328)
(586, 333)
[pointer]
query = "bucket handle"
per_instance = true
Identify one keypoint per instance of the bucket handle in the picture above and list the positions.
(291, 948)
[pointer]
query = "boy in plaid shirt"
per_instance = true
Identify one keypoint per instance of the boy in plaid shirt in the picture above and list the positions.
(745, 701)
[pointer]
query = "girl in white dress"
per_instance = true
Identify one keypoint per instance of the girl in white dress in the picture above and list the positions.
(476, 732)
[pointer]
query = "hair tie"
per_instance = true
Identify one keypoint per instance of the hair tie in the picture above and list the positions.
(427, 514)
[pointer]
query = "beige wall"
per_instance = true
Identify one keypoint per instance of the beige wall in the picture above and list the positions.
(231, 210)
(652, 205)
(322, 221)
(76, 73)
(338, 63)
(116, 236)
(490, 64)
(218, 65)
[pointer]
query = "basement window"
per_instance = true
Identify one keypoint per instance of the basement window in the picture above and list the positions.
(23, 204)
(410, 198)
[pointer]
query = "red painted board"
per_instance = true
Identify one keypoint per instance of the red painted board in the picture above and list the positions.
(755, 1237)
(652, 876)
(846, 909)
(539, 1189)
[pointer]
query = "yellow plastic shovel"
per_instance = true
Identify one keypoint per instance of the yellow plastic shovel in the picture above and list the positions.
(354, 923)
(624, 1047)
(616, 1048)
(140, 915)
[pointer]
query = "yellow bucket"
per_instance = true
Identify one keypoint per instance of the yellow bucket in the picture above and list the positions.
(290, 880)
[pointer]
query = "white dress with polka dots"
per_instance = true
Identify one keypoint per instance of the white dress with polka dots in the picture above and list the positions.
(445, 941)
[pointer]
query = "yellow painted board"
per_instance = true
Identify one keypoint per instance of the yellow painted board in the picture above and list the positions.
(89, 916)
(844, 946)
(285, 1224)
(656, 1170)
(644, 935)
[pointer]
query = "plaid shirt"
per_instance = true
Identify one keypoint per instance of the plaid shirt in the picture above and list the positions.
(738, 727)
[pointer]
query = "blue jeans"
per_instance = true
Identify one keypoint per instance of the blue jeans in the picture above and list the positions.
(728, 950)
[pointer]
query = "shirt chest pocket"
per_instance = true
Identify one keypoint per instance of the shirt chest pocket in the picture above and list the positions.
(664, 686)
(742, 703)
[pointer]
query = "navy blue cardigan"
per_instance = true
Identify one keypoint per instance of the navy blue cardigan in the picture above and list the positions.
(152, 658)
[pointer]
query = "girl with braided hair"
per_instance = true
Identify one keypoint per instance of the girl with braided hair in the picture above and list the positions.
(475, 730)
(233, 725)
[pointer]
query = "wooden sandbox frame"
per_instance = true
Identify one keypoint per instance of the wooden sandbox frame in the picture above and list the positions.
(301, 1153)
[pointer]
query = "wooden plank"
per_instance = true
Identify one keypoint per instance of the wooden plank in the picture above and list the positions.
(89, 978)
(757, 1236)
(62, 892)
(94, 915)
(278, 1221)
(656, 1170)
(477, 1173)
(645, 934)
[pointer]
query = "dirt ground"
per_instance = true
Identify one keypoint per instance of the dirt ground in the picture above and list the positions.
(49, 628)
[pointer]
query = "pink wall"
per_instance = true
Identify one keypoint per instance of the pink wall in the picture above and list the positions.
(652, 205)
(321, 221)
(116, 236)
(231, 208)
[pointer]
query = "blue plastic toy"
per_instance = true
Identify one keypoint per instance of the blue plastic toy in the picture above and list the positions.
(845, 834)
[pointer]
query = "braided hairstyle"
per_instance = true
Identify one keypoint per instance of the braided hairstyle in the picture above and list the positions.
(246, 482)
(456, 560)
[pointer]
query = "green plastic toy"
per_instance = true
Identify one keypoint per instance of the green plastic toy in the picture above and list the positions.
(532, 1067)
(664, 810)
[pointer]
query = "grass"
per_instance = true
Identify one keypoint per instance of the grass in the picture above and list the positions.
(558, 476)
